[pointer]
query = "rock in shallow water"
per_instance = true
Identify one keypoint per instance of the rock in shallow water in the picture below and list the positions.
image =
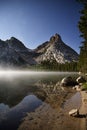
(80, 79)
(68, 81)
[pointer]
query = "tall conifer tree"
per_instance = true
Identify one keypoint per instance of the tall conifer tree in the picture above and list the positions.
(82, 24)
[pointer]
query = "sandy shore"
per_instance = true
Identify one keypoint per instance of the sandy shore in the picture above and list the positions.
(49, 116)
(83, 111)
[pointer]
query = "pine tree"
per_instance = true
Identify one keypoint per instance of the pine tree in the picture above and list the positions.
(82, 24)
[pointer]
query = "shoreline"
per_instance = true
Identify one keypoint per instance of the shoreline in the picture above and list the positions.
(50, 116)
(83, 111)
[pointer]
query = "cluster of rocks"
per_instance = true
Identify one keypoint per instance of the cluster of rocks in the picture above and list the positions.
(80, 80)
(76, 83)
(68, 81)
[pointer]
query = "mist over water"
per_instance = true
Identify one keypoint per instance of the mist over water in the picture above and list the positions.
(11, 74)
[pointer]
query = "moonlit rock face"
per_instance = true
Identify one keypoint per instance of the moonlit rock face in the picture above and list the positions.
(13, 52)
(57, 50)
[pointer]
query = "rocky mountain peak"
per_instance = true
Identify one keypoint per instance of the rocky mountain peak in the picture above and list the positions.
(57, 50)
(13, 38)
(16, 44)
(56, 39)
(14, 53)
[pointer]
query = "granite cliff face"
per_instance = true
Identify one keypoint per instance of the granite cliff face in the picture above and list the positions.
(55, 49)
(13, 52)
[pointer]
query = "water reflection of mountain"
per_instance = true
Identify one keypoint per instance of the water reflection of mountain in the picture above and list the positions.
(12, 93)
(13, 96)
(49, 87)
(55, 94)
(14, 90)
(10, 117)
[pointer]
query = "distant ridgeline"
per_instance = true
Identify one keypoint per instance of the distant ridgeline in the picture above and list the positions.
(52, 55)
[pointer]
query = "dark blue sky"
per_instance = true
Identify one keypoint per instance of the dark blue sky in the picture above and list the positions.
(35, 21)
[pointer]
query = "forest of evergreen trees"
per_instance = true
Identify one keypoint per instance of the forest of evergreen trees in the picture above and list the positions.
(53, 65)
(82, 24)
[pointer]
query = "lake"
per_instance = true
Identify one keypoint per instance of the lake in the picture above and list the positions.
(22, 92)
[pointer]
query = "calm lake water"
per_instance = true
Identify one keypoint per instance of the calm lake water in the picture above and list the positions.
(18, 94)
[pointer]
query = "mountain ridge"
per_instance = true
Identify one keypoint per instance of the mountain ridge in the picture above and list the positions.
(13, 51)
